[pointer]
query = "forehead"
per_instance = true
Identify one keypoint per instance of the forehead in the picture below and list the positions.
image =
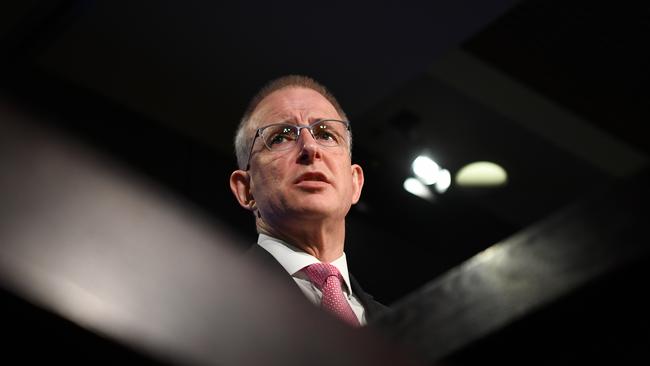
(293, 104)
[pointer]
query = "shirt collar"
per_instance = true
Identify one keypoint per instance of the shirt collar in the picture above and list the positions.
(294, 259)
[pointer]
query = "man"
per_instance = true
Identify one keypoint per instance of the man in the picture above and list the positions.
(295, 175)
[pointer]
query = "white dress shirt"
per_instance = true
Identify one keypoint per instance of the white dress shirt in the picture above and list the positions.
(294, 259)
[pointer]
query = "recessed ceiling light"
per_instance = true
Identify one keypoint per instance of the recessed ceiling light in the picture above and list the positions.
(416, 187)
(481, 174)
(444, 181)
(426, 169)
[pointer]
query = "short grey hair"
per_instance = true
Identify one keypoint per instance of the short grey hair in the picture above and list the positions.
(243, 137)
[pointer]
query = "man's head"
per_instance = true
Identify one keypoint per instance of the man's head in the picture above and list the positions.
(242, 140)
(312, 180)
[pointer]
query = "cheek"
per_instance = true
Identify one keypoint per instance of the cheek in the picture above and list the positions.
(345, 173)
(268, 183)
(273, 175)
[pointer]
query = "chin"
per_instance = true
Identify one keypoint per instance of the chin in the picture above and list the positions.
(320, 209)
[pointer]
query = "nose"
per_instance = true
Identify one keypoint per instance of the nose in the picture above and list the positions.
(309, 148)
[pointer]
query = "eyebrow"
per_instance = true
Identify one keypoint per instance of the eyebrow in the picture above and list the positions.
(292, 120)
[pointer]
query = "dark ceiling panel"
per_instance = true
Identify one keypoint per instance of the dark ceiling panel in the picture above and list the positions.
(13, 13)
(589, 56)
(193, 66)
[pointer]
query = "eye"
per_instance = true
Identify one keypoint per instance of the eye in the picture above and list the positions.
(323, 133)
(279, 136)
(277, 139)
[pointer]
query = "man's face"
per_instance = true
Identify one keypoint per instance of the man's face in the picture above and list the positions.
(308, 181)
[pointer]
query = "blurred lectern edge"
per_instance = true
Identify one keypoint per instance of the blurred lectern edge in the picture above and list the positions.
(87, 240)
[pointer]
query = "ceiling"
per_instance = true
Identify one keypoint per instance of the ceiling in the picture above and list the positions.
(553, 91)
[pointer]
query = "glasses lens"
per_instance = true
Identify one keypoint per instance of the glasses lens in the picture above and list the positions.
(329, 132)
(279, 137)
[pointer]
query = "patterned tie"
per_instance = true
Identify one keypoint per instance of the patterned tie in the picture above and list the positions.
(327, 278)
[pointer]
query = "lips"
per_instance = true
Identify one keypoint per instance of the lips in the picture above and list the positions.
(312, 177)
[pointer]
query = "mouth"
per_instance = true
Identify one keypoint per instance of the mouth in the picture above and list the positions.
(311, 177)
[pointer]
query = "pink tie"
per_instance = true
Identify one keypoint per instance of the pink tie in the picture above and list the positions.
(327, 278)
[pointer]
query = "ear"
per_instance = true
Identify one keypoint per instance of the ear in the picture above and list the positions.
(240, 187)
(357, 182)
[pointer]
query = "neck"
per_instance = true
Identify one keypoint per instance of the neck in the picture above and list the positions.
(322, 240)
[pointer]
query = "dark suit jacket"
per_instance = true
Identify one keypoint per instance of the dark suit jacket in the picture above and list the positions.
(372, 307)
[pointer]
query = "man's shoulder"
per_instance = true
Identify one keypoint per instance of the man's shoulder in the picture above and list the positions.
(252, 250)
(256, 252)
(264, 259)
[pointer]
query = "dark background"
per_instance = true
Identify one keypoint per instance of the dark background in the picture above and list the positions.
(554, 91)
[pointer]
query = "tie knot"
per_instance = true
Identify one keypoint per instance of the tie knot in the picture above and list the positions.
(318, 273)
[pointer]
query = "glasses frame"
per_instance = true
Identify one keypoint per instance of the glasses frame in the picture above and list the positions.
(259, 131)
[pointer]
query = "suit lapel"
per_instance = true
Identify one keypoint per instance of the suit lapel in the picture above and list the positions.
(372, 307)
